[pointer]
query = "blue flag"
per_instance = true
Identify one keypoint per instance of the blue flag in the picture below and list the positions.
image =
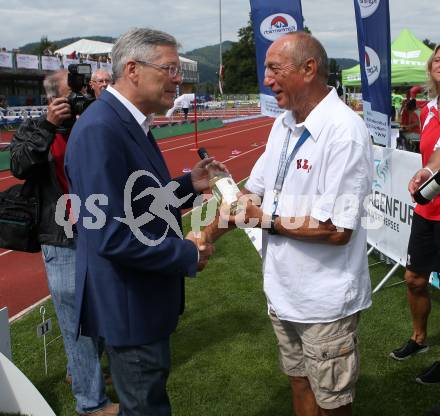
(270, 20)
(374, 44)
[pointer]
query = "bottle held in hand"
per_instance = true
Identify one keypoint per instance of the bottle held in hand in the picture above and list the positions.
(223, 187)
(428, 190)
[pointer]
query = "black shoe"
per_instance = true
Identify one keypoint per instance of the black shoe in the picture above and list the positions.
(408, 350)
(430, 375)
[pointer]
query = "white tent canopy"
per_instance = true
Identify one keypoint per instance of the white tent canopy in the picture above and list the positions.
(86, 47)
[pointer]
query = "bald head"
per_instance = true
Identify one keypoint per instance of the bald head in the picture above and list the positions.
(301, 46)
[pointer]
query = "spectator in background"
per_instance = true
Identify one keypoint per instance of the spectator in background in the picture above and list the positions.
(37, 151)
(410, 123)
(396, 103)
(99, 81)
(186, 101)
(3, 102)
(424, 241)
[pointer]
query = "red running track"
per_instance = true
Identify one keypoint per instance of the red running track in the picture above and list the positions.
(22, 277)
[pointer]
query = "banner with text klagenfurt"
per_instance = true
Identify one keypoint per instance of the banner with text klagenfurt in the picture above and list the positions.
(373, 30)
(271, 20)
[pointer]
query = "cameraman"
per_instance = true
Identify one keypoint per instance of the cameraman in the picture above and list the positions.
(37, 152)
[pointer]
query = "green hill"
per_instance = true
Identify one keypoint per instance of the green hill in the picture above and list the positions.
(345, 63)
(208, 59)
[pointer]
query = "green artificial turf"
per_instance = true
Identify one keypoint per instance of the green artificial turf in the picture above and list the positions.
(4, 159)
(185, 128)
(225, 356)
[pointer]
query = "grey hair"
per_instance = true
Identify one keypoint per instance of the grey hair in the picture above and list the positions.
(309, 47)
(432, 86)
(52, 83)
(97, 71)
(138, 44)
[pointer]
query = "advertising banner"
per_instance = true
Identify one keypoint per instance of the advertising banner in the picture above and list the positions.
(93, 64)
(6, 59)
(106, 65)
(50, 63)
(270, 20)
(390, 203)
(67, 61)
(27, 61)
(374, 44)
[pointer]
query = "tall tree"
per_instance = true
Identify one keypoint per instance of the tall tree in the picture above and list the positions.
(240, 64)
(44, 46)
(334, 72)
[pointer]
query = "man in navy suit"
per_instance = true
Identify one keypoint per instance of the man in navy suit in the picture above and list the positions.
(131, 259)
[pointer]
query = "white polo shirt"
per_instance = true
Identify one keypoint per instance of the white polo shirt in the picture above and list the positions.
(329, 178)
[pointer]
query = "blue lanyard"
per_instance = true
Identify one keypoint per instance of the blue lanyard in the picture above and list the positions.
(285, 162)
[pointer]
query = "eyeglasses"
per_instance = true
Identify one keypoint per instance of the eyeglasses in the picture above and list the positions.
(102, 81)
(173, 70)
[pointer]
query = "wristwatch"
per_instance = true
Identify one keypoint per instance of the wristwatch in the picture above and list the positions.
(272, 230)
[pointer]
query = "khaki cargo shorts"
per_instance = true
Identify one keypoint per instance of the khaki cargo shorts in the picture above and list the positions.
(327, 354)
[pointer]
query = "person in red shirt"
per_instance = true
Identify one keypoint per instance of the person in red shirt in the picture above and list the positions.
(37, 150)
(410, 122)
(424, 243)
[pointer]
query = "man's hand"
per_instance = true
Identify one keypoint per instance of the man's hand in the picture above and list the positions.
(58, 111)
(249, 214)
(204, 246)
(420, 177)
(200, 173)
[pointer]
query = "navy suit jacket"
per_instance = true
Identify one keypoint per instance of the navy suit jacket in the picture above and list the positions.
(126, 292)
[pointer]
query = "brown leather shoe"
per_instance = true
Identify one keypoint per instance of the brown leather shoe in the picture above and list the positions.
(112, 409)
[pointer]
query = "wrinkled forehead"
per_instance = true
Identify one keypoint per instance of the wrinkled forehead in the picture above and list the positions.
(278, 53)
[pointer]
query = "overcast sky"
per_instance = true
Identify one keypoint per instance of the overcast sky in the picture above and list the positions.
(195, 23)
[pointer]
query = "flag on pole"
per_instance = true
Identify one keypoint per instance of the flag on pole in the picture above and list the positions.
(270, 20)
(374, 44)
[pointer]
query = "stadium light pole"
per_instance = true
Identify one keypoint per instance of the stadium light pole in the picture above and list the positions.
(220, 28)
(220, 50)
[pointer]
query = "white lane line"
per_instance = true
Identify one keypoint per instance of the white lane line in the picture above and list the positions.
(241, 154)
(28, 309)
(212, 138)
(6, 177)
(5, 252)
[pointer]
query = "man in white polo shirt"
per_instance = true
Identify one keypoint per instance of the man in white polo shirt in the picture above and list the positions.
(313, 179)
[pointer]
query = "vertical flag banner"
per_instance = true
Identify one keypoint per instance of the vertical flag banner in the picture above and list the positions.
(373, 30)
(270, 20)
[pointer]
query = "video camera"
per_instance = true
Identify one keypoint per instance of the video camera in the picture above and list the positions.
(78, 78)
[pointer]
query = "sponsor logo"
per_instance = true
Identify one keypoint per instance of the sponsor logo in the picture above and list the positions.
(372, 65)
(276, 25)
(407, 55)
(383, 169)
(368, 7)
